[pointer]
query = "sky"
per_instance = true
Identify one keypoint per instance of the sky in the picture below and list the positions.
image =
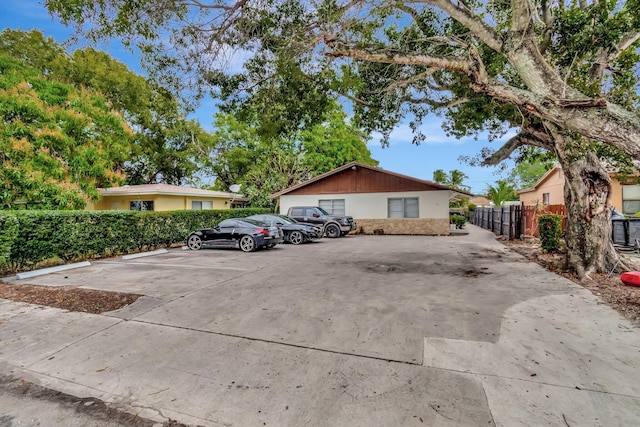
(437, 152)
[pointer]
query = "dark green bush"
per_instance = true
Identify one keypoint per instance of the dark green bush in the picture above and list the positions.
(550, 228)
(8, 233)
(458, 220)
(78, 235)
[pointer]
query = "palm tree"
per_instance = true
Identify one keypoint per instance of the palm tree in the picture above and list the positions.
(454, 179)
(502, 192)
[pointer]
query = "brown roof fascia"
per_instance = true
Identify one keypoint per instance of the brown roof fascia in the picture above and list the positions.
(361, 165)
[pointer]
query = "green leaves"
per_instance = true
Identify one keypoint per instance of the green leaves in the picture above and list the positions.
(502, 192)
(57, 144)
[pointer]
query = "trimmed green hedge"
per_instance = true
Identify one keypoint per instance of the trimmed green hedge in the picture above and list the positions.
(78, 235)
(8, 233)
(550, 228)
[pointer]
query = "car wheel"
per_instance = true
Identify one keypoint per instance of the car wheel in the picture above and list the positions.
(296, 238)
(194, 242)
(332, 231)
(247, 244)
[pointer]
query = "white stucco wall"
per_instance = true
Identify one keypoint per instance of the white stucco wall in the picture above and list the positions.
(432, 204)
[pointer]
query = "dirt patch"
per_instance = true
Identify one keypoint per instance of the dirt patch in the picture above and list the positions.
(69, 298)
(625, 299)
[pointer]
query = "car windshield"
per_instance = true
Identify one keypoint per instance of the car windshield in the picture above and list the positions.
(323, 211)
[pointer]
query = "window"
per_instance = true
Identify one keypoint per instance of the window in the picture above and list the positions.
(200, 205)
(630, 199)
(332, 206)
(546, 199)
(228, 223)
(141, 205)
(403, 207)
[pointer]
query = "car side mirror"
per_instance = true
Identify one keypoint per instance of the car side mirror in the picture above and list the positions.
(315, 215)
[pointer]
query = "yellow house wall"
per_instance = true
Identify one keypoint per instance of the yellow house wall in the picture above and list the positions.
(554, 185)
(160, 202)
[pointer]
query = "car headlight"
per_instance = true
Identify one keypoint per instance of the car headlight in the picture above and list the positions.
(344, 221)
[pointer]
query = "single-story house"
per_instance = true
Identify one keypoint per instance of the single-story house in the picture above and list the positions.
(549, 190)
(163, 197)
(377, 199)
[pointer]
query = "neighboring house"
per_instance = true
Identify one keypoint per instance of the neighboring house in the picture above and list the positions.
(163, 197)
(377, 199)
(549, 190)
(480, 201)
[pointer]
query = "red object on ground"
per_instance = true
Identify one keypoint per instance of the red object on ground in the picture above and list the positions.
(632, 278)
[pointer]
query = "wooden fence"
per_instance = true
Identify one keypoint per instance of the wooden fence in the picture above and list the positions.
(505, 220)
(531, 214)
(515, 220)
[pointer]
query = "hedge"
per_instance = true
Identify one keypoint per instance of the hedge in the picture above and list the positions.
(8, 233)
(79, 235)
(550, 229)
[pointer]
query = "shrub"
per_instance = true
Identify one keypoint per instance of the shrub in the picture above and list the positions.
(458, 220)
(550, 228)
(8, 233)
(78, 235)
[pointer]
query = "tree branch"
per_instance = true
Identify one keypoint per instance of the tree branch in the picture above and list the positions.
(520, 16)
(625, 42)
(404, 83)
(340, 50)
(478, 27)
(523, 138)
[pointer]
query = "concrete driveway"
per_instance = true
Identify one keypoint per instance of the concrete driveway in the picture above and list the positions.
(358, 331)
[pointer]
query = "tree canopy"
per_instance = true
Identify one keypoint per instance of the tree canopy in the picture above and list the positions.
(263, 164)
(57, 144)
(166, 146)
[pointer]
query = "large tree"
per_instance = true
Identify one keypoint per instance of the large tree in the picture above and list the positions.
(57, 144)
(267, 163)
(167, 146)
(564, 74)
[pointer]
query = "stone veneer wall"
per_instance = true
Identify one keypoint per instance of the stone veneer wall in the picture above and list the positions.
(424, 226)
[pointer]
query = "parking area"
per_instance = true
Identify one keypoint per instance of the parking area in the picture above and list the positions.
(362, 330)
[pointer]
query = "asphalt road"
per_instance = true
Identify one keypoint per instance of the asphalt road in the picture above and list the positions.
(358, 331)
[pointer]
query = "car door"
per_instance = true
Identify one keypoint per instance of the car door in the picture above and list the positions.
(222, 235)
(312, 216)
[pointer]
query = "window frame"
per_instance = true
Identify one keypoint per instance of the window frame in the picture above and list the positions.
(404, 212)
(333, 209)
(626, 201)
(150, 206)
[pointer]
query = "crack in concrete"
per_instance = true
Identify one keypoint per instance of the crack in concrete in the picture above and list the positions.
(324, 350)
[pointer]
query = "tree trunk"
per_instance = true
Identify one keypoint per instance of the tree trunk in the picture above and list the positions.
(587, 193)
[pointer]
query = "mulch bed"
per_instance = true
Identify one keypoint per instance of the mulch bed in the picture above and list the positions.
(69, 298)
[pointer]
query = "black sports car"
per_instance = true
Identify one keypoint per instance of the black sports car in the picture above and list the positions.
(294, 232)
(243, 233)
